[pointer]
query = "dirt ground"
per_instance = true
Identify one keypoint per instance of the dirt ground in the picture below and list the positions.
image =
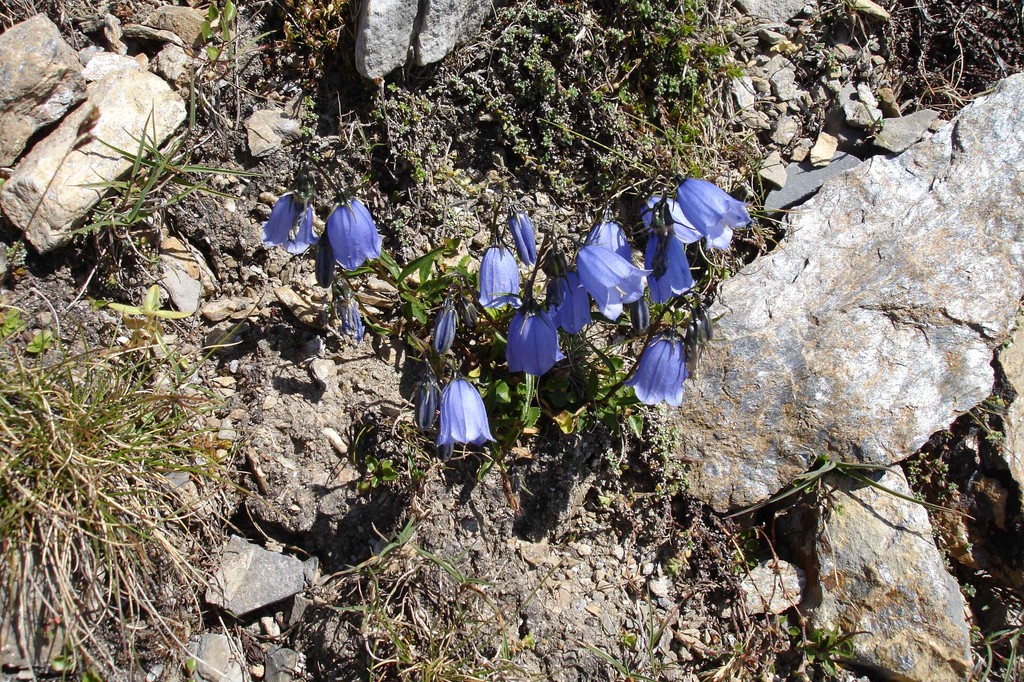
(504, 565)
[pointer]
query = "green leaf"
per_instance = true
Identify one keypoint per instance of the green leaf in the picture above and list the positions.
(40, 342)
(636, 424)
(532, 415)
(501, 392)
(152, 301)
(421, 264)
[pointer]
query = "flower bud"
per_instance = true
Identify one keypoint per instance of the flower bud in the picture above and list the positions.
(639, 315)
(324, 263)
(425, 401)
(467, 311)
(444, 328)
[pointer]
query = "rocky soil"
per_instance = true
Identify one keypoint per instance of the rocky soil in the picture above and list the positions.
(868, 321)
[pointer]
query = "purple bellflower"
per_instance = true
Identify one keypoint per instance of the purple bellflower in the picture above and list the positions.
(290, 211)
(532, 341)
(671, 214)
(670, 270)
(523, 235)
(608, 234)
(573, 313)
(661, 371)
(353, 234)
(463, 418)
(499, 279)
(714, 213)
(444, 328)
(609, 278)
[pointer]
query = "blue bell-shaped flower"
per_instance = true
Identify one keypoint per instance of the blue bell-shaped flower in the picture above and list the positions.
(463, 417)
(714, 213)
(609, 278)
(661, 371)
(289, 212)
(353, 234)
(573, 313)
(532, 341)
(499, 279)
(444, 327)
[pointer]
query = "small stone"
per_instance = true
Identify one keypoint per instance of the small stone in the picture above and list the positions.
(770, 37)
(772, 171)
(801, 150)
(184, 22)
(804, 179)
(898, 134)
(784, 84)
(250, 577)
(744, 93)
(148, 33)
(227, 430)
(775, 11)
(268, 130)
(823, 150)
(785, 129)
(282, 664)
(269, 626)
(110, 65)
(660, 586)
(173, 65)
(324, 371)
(887, 102)
(217, 659)
(772, 587)
(859, 106)
(306, 312)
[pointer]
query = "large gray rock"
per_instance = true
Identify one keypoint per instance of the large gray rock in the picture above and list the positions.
(776, 11)
(444, 23)
(127, 105)
(40, 78)
(874, 323)
(250, 577)
(386, 31)
(881, 576)
(1012, 452)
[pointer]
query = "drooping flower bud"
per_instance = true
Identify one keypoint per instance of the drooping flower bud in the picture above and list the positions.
(324, 264)
(425, 400)
(639, 315)
(523, 235)
(444, 328)
(467, 311)
(351, 321)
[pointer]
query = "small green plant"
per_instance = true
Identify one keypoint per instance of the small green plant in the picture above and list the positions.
(10, 323)
(216, 28)
(145, 320)
(825, 649)
(41, 342)
(378, 472)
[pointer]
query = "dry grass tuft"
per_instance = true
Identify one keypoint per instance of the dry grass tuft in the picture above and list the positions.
(102, 502)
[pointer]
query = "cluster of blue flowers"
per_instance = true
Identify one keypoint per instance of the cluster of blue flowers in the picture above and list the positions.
(352, 239)
(604, 275)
